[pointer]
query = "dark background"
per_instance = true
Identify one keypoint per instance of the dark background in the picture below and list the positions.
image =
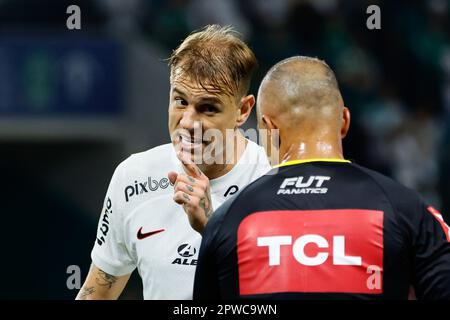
(75, 103)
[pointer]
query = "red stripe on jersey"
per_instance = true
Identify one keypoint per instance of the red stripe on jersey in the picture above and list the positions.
(311, 251)
(439, 217)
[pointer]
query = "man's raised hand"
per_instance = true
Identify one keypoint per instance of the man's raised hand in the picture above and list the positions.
(193, 192)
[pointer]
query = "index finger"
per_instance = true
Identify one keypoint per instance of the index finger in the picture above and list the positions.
(189, 166)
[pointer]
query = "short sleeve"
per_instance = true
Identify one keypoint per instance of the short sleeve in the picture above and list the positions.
(110, 252)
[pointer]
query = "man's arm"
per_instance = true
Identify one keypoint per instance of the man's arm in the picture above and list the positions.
(432, 256)
(100, 285)
(110, 255)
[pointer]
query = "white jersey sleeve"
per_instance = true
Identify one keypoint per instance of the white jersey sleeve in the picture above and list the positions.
(110, 252)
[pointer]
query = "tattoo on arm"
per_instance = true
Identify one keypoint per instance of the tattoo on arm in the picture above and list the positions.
(86, 292)
(105, 280)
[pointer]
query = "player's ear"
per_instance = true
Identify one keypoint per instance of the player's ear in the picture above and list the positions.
(268, 123)
(345, 122)
(269, 137)
(273, 137)
(246, 106)
(272, 130)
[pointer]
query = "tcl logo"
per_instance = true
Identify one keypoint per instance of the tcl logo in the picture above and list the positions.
(302, 185)
(298, 250)
(311, 251)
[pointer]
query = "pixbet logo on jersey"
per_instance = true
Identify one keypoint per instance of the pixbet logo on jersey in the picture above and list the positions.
(146, 186)
(302, 185)
(186, 251)
(311, 251)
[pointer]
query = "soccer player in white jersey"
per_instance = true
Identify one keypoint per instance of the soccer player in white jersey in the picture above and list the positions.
(154, 198)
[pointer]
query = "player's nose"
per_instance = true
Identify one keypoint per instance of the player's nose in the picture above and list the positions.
(189, 120)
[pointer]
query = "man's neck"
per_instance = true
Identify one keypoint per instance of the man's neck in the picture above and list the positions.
(312, 149)
(214, 171)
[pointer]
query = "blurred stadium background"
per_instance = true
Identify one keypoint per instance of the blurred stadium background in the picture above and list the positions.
(73, 104)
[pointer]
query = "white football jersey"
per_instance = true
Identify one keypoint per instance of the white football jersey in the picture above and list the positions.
(142, 227)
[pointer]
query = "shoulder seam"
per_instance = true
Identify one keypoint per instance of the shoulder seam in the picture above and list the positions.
(378, 185)
(402, 215)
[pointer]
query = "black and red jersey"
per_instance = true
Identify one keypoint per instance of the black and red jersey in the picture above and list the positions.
(321, 229)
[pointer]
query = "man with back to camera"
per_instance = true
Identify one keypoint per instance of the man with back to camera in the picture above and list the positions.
(321, 227)
(142, 224)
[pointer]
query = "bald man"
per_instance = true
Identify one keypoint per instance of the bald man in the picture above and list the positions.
(318, 226)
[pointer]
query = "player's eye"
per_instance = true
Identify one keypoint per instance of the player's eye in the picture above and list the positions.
(209, 109)
(180, 102)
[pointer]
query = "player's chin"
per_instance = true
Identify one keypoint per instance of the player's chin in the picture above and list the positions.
(196, 155)
(204, 157)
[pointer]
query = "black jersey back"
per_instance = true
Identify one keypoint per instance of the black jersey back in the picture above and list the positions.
(324, 230)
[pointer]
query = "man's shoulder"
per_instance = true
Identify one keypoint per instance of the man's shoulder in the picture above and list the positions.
(159, 157)
(386, 183)
(257, 152)
(155, 155)
(143, 176)
(149, 165)
(402, 198)
(255, 159)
